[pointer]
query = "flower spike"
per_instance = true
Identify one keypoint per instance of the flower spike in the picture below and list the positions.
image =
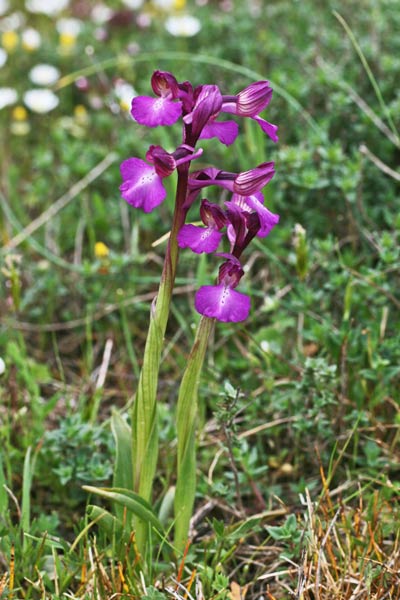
(242, 217)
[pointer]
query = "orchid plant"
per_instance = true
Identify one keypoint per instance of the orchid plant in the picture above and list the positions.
(202, 111)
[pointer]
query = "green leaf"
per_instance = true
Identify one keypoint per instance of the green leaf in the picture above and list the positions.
(279, 533)
(153, 593)
(48, 542)
(26, 491)
(123, 468)
(186, 430)
(218, 527)
(242, 529)
(129, 500)
(3, 493)
(112, 526)
(28, 470)
(167, 504)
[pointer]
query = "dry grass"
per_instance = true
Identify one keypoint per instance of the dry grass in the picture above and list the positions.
(349, 553)
(349, 550)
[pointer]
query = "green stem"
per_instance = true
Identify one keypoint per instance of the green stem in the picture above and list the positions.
(144, 416)
(186, 432)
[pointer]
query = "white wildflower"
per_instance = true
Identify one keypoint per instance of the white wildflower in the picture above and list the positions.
(40, 101)
(124, 92)
(164, 4)
(3, 57)
(182, 25)
(133, 4)
(12, 22)
(44, 74)
(47, 7)
(265, 346)
(101, 13)
(7, 96)
(4, 6)
(31, 39)
(69, 26)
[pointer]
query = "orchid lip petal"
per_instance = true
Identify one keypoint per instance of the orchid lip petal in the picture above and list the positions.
(141, 186)
(199, 239)
(222, 303)
(155, 111)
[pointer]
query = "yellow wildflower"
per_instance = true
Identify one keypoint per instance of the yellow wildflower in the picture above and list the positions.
(81, 114)
(9, 39)
(101, 250)
(67, 41)
(19, 113)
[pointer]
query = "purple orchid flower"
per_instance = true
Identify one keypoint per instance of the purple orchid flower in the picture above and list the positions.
(163, 110)
(255, 203)
(204, 239)
(142, 185)
(249, 103)
(222, 301)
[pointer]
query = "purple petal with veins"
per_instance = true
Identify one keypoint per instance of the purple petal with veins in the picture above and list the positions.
(207, 106)
(199, 239)
(223, 303)
(155, 111)
(254, 98)
(141, 187)
(249, 182)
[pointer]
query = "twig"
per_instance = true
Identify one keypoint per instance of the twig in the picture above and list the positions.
(378, 163)
(360, 102)
(369, 73)
(54, 208)
(321, 552)
(104, 364)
